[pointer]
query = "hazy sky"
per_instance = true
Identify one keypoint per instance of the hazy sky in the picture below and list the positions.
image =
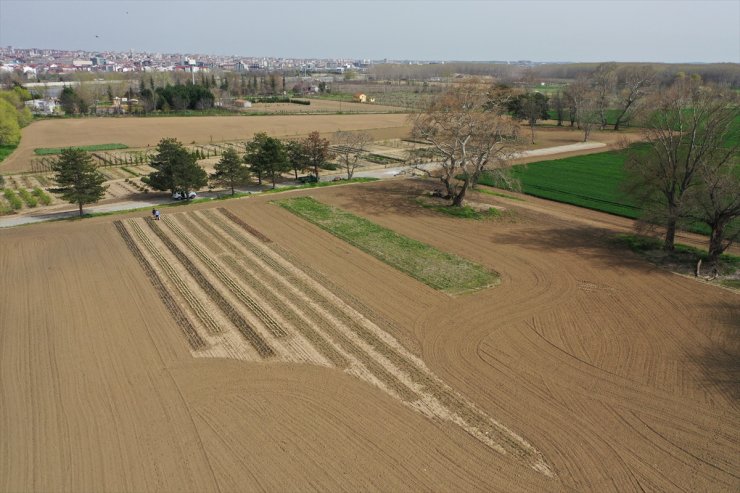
(545, 30)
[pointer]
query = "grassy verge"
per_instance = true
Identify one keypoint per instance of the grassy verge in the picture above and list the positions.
(46, 151)
(683, 259)
(440, 270)
(498, 194)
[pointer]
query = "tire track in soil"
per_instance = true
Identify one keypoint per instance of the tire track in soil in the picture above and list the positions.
(212, 327)
(246, 330)
(182, 321)
(435, 393)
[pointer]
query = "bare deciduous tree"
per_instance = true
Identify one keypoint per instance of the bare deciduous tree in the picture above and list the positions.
(637, 83)
(686, 128)
(715, 200)
(603, 85)
(585, 107)
(317, 151)
(471, 132)
(350, 146)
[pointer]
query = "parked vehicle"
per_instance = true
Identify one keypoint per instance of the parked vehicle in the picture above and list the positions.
(308, 179)
(182, 196)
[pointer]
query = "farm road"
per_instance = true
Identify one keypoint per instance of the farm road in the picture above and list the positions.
(381, 173)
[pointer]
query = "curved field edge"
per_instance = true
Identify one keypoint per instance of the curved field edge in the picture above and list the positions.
(440, 270)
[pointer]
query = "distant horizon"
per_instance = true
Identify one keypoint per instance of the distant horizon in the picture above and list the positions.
(545, 31)
(430, 61)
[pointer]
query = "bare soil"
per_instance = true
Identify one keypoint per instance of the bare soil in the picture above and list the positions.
(587, 369)
(143, 132)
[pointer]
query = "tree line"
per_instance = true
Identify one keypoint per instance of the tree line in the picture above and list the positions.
(176, 169)
(14, 115)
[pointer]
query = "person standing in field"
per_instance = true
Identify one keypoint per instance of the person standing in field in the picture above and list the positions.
(156, 215)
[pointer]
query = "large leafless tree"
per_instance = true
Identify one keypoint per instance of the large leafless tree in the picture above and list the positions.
(686, 129)
(317, 152)
(603, 86)
(585, 105)
(349, 148)
(715, 200)
(469, 128)
(635, 82)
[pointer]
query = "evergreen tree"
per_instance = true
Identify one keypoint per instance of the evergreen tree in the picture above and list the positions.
(266, 155)
(230, 171)
(78, 179)
(176, 169)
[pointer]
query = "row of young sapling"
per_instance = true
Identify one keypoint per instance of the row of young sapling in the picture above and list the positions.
(14, 199)
(137, 184)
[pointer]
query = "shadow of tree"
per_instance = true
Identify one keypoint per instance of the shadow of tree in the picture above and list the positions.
(720, 361)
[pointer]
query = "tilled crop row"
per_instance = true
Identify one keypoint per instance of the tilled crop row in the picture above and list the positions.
(246, 227)
(201, 312)
(304, 328)
(325, 348)
(246, 330)
(369, 313)
(420, 376)
(282, 274)
(181, 319)
(272, 325)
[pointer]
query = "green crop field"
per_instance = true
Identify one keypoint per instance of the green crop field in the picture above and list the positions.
(593, 181)
(45, 151)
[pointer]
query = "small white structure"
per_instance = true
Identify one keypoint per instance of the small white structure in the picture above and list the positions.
(42, 106)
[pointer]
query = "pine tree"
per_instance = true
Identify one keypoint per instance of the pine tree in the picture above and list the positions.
(230, 171)
(78, 179)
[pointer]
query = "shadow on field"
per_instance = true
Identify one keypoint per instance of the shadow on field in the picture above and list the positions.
(389, 197)
(720, 361)
(594, 243)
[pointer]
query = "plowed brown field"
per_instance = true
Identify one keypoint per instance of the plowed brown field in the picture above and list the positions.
(234, 346)
(142, 132)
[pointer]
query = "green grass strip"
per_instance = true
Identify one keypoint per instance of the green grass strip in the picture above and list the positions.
(440, 270)
(46, 151)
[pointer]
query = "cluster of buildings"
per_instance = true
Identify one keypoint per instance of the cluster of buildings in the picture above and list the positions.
(33, 63)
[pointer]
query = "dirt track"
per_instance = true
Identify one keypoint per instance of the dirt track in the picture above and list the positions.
(623, 376)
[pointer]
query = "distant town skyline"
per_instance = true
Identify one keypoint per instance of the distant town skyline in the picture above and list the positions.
(543, 31)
